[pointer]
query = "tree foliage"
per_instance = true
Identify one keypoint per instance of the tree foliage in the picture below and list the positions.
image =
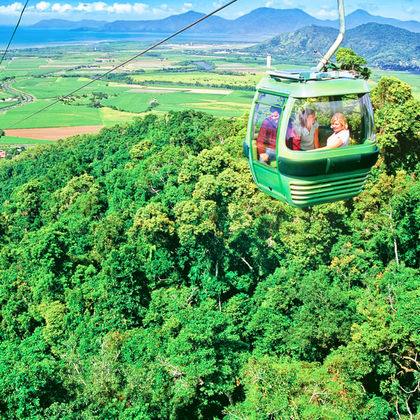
(142, 275)
(349, 60)
(397, 117)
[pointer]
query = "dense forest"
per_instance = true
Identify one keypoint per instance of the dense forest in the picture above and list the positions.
(143, 276)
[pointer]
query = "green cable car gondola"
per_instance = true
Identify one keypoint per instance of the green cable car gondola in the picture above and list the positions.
(310, 136)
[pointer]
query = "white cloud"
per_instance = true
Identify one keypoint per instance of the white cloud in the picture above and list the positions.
(42, 6)
(139, 8)
(94, 7)
(269, 4)
(120, 8)
(11, 9)
(163, 11)
(100, 9)
(326, 14)
(188, 5)
(98, 6)
(217, 4)
(61, 8)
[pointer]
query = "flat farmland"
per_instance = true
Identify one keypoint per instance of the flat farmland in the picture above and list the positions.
(176, 77)
(233, 104)
(146, 86)
(61, 115)
(4, 104)
(51, 134)
(221, 102)
(23, 66)
(56, 86)
(131, 102)
(12, 140)
(243, 80)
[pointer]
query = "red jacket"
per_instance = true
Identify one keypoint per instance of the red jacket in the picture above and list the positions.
(267, 136)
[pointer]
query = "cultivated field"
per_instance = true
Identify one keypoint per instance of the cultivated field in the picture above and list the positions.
(54, 133)
(217, 79)
(170, 79)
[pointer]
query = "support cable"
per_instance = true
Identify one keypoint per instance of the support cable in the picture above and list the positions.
(122, 64)
(13, 34)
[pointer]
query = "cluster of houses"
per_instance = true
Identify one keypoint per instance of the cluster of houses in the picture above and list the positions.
(9, 153)
(14, 99)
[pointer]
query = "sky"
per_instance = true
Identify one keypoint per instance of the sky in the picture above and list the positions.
(111, 10)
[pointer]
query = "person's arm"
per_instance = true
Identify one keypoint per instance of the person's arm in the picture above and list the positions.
(335, 144)
(341, 139)
(316, 139)
(261, 139)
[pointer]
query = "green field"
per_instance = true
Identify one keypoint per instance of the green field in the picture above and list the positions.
(233, 103)
(198, 79)
(54, 87)
(9, 140)
(167, 79)
(5, 95)
(7, 104)
(60, 115)
(131, 102)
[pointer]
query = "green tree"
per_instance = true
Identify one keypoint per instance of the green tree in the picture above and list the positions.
(349, 60)
(143, 275)
(286, 388)
(397, 118)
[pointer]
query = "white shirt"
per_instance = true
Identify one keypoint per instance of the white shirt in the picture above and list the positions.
(343, 135)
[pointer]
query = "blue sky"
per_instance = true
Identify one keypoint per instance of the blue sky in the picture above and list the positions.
(151, 9)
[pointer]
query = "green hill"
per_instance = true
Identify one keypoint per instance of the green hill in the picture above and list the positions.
(143, 276)
(383, 46)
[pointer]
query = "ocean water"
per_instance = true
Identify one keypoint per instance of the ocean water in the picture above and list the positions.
(31, 38)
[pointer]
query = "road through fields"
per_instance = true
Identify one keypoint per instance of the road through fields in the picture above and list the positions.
(26, 98)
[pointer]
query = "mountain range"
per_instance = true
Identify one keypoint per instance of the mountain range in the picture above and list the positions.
(383, 46)
(287, 34)
(262, 22)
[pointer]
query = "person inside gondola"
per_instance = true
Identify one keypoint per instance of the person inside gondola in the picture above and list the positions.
(306, 127)
(341, 135)
(292, 138)
(267, 137)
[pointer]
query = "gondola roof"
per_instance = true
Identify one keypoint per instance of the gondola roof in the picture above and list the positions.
(311, 87)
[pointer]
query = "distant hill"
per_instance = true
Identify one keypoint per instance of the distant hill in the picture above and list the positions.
(265, 20)
(169, 24)
(68, 24)
(359, 17)
(383, 46)
(261, 22)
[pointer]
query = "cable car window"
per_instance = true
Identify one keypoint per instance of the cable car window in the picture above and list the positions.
(267, 116)
(330, 122)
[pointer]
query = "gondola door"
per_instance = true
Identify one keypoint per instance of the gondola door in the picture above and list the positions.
(265, 130)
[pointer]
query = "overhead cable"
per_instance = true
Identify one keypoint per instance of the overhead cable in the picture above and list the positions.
(13, 34)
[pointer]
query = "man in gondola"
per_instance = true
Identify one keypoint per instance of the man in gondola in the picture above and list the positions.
(267, 137)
